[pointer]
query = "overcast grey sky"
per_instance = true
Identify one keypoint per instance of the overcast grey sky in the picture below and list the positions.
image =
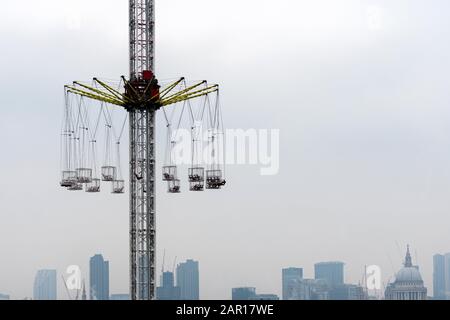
(361, 102)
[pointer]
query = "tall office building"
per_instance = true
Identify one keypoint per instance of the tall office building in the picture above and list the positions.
(331, 272)
(290, 278)
(167, 290)
(447, 276)
(244, 293)
(188, 280)
(45, 285)
(441, 276)
(98, 278)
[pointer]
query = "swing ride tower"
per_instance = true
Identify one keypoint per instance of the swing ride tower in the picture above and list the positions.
(142, 153)
(141, 96)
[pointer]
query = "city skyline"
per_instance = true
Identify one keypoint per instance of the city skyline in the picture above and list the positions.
(331, 273)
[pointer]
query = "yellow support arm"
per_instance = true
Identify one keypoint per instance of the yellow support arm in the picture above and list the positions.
(165, 91)
(191, 95)
(117, 98)
(107, 95)
(93, 96)
(113, 91)
(128, 85)
(185, 90)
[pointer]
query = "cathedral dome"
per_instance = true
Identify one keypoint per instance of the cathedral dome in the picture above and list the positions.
(408, 274)
(407, 283)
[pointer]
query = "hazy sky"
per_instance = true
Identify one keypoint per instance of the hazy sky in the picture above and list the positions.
(359, 90)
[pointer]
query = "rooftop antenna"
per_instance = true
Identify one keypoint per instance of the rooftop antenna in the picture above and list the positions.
(365, 279)
(174, 263)
(83, 294)
(164, 261)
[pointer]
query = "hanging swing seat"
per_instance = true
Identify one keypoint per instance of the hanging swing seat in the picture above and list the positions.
(174, 186)
(93, 186)
(214, 179)
(69, 178)
(109, 173)
(84, 175)
(66, 184)
(196, 174)
(169, 173)
(197, 186)
(196, 179)
(118, 187)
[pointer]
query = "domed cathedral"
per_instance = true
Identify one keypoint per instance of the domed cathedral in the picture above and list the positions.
(407, 284)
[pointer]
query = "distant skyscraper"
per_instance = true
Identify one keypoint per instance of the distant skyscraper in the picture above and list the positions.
(447, 276)
(245, 293)
(290, 276)
(4, 297)
(188, 280)
(167, 290)
(439, 277)
(331, 272)
(45, 285)
(120, 296)
(98, 278)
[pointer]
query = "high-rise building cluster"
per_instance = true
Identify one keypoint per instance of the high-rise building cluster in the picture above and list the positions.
(45, 283)
(187, 285)
(328, 283)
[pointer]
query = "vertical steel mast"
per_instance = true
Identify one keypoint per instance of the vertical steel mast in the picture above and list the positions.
(142, 157)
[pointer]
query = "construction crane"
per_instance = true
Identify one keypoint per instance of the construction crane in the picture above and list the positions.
(141, 96)
(67, 288)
